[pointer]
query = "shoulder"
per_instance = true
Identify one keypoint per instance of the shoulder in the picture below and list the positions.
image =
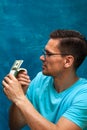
(81, 85)
(83, 80)
(77, 111)
(80, 90)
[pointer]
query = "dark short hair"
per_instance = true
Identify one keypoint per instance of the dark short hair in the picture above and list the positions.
(72, 42)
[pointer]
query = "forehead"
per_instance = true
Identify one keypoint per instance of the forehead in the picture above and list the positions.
(53, 44)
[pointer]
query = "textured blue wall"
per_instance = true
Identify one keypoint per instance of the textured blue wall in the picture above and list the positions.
(24, 30)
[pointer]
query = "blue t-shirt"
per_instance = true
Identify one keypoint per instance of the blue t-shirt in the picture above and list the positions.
(70, 103)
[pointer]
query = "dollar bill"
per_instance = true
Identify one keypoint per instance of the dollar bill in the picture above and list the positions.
(16, 67)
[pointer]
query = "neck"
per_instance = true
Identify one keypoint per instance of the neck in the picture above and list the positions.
(63, 82)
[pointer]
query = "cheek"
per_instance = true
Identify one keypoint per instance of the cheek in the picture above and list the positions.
(51, 66)
(55, 65)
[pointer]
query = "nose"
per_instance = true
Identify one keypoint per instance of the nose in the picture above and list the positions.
(42, 58)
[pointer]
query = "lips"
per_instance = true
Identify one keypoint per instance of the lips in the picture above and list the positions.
(43, 66)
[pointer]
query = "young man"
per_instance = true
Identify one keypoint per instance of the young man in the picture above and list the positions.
(56, 98)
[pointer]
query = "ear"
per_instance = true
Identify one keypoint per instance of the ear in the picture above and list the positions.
(68, 61)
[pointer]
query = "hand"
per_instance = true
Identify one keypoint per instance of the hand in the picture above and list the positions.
(12, 88)
(23, 79)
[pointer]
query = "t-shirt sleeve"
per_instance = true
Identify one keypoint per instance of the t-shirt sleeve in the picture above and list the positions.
(77, 113)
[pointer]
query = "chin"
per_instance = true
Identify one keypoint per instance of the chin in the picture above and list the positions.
(46, 73)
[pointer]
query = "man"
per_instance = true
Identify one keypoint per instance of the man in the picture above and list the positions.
(56, 98)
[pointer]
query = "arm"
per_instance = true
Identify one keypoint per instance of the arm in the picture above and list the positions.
(37, 122)
(13, 90)
(16, 118)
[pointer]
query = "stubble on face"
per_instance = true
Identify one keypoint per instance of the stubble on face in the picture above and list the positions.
(50, 64)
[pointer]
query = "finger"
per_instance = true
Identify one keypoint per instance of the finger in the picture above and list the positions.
(4, 83)
(21, 72)
(11, 76)
(6, 79)
(24, 83)
(9, 79)
(24, 78)
(6, 92)
(23, 75)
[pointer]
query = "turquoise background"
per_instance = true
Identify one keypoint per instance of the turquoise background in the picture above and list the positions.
(25, 26)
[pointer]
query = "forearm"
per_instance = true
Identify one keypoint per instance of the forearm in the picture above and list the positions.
(38, 122)
(33, 118)
(16, 118)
